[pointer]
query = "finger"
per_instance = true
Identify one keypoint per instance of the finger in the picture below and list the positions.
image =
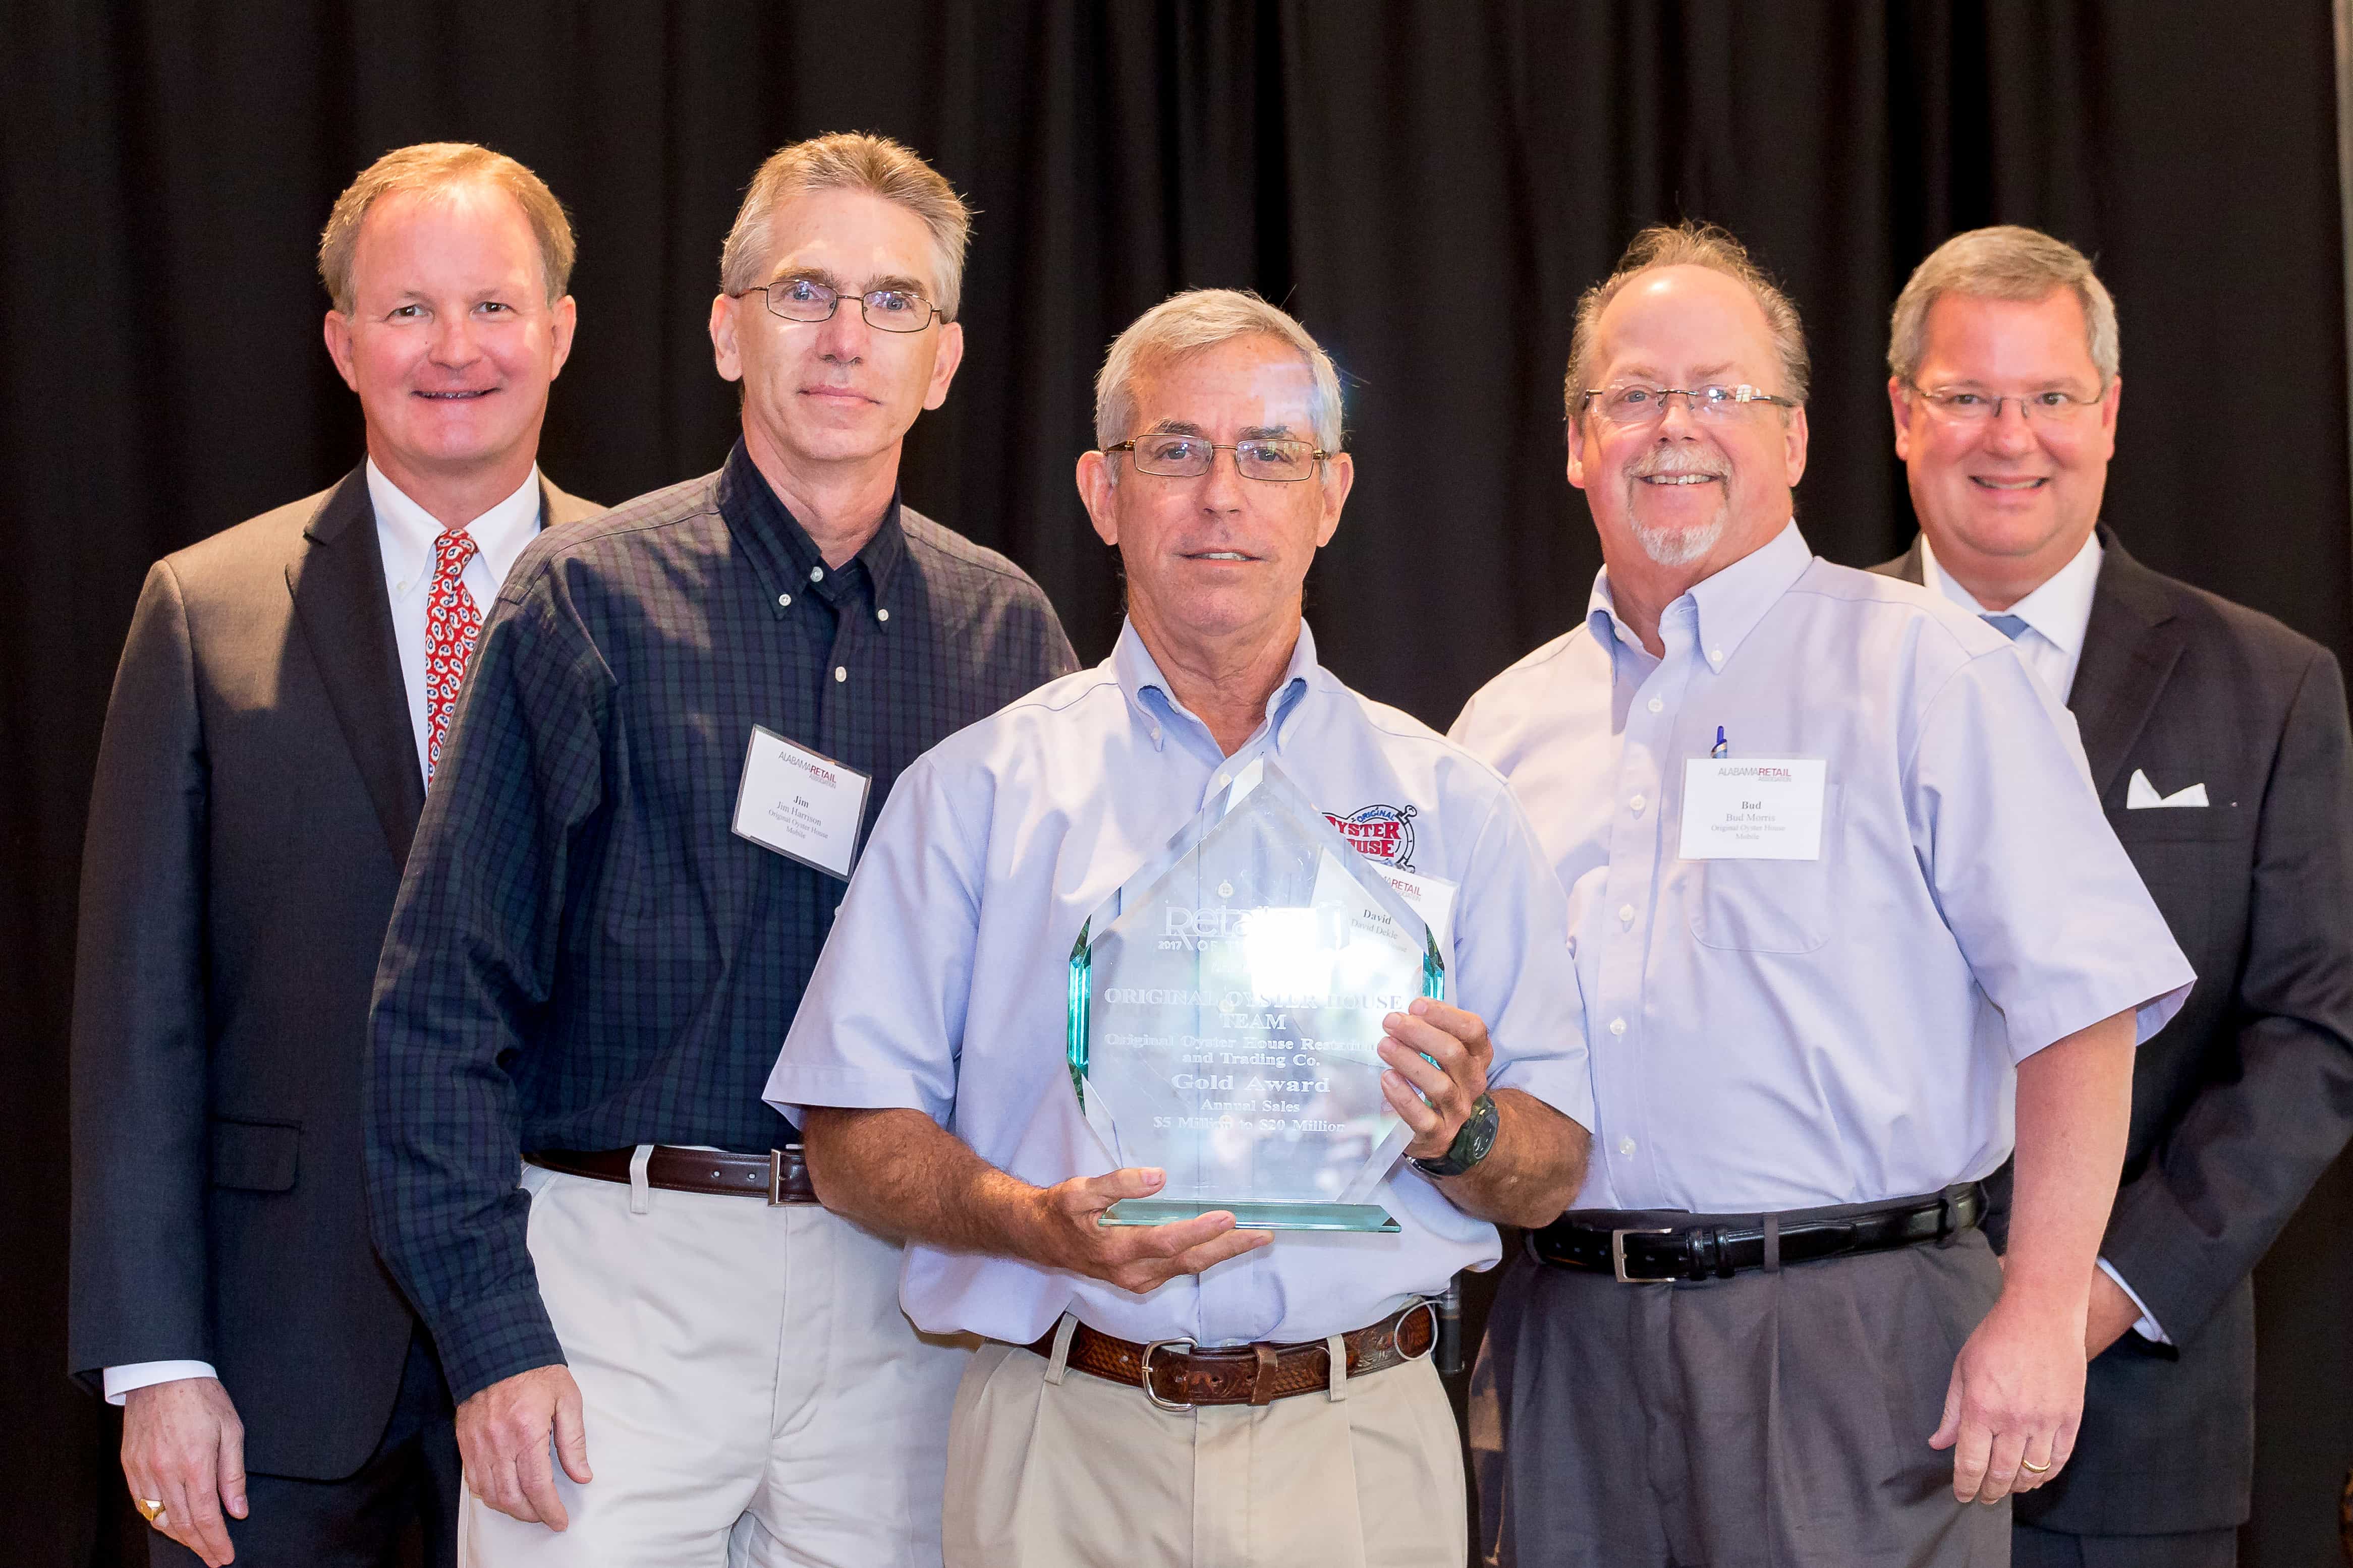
(1411, 1109)
(1434, 1081)
(232, 1469)
(2036, 1466)
(502, 1491)
(1949, 1428)
(1970, 1454)
(1465, 1026)
(2001, 1476)
(1099, 1193)
(2062, 1442)
(1149, 1241)
(1425, 1038)
(572, 1436)
(194, 1515)
(536, 1473)
(1209, 1253)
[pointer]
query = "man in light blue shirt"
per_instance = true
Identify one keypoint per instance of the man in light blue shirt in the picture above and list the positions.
(1849, 924)
(1239, 1397)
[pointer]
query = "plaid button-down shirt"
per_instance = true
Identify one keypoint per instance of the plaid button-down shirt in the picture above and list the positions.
(584, 955)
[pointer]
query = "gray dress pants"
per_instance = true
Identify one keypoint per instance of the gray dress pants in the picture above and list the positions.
(1777, 1419)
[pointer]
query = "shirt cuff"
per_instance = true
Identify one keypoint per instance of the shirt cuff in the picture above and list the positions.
(2147, 1328)
(122, 1380)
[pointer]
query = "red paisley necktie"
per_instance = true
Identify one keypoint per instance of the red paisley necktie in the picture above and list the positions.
(451, 623)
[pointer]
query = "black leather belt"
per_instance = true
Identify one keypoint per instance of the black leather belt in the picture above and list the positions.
(1651, 1246)
(780, 1175)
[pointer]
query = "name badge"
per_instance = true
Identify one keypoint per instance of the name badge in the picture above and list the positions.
(801, 805)
(1758, 809)
(1432, 898)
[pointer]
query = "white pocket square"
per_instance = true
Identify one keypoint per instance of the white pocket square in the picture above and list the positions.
(2141, 795)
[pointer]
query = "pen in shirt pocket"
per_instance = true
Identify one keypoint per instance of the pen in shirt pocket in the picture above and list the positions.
(1723, 747)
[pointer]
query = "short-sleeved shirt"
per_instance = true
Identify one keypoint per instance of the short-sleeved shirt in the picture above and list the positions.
(1769, 1035)
(944, 986)
(584, 955)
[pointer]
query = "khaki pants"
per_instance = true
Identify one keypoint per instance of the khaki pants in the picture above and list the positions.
(754, 1395)
(1055, 1469)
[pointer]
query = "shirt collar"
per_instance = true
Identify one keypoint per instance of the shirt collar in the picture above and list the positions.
(1726, 606)
(1139, 673)
(2061, 609)
(406, 531)
(783, 547)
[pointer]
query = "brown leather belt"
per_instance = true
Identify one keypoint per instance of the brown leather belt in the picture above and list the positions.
(780, 1175)
(1175, 1374)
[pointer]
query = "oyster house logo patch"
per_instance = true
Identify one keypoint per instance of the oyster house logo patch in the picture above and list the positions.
(1383, 833)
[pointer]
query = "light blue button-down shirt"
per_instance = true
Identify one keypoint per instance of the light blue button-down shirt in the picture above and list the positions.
(942, 989)
(1772, 1034)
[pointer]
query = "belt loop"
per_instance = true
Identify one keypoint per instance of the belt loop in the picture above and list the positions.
(1059, 1361)
(1262, 1376)
(1336, 1347)
(1948, 1220)
(1772, 1244)
(641, 1192)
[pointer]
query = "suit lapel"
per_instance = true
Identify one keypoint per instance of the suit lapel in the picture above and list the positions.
(2131, 648)
(337, 580)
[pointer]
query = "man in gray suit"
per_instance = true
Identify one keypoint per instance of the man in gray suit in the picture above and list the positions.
(2218, 741)
(274, 723)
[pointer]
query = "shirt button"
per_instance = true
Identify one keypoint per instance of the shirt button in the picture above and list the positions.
(1658, 705)
(816, 573)
(1637, 803)
(881, 614)
(1625, 914)
(784, 601)
(401, 587)
(840, 672)
(1715, 655)
(1625, 1146)
(1617, 1025)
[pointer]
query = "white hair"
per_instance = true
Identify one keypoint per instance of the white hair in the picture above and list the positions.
(1187, 324)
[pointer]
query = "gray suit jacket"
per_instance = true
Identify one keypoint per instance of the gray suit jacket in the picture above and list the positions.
(256, 789)
(2243, 1100)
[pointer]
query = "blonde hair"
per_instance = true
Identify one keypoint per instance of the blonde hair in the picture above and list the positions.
(1689, 244)
(1187, 324)
(436, 166)
(850, 160)
(2005, 262)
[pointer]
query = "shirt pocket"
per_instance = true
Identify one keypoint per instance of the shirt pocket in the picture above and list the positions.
(1768, 906)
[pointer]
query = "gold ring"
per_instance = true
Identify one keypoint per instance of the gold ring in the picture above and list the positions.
(151, 1509)
(2033, 1468)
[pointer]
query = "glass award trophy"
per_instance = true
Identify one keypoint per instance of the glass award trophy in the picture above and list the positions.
(1225, 1007)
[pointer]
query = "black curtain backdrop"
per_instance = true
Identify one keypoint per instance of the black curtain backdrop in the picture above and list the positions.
(1428, 185)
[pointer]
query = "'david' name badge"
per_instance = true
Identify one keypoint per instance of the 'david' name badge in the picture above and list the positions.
(799, 804)
(1758, 809)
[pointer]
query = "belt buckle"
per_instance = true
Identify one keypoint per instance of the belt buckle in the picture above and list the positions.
(1174, 1407)
(776, 1178)
(1618, 1255)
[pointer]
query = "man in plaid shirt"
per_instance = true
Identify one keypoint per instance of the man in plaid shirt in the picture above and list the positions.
(592, 960)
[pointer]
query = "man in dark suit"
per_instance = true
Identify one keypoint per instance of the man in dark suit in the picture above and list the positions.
(275, 720)
(2216, 739)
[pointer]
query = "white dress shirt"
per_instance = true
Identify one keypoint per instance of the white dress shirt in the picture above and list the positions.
(944, 985)
(405, 533)
(2056, 613)
(2057, 616)
(1773, 1035)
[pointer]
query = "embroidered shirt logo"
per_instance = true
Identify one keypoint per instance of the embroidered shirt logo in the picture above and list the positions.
(1382, 833)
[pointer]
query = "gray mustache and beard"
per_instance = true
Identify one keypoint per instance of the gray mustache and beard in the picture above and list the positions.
(1680, 546)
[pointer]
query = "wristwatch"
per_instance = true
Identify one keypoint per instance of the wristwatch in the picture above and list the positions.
(1470, 1145)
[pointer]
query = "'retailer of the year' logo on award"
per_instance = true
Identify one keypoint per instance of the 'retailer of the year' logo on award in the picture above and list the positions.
(1225, 1011)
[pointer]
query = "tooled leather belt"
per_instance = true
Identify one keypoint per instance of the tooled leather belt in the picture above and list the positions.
(780, 1175)
(1176, 1374)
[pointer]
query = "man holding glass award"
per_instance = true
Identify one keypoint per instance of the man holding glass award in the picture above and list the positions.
(1246, 1002)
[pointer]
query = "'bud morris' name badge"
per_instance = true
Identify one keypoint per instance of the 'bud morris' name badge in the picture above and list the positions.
(799, 804)
(1755, 808)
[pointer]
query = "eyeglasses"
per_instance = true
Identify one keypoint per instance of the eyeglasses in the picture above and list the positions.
(1977, 408)
(1637, 403)
(1171, 455)
(884, 310)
